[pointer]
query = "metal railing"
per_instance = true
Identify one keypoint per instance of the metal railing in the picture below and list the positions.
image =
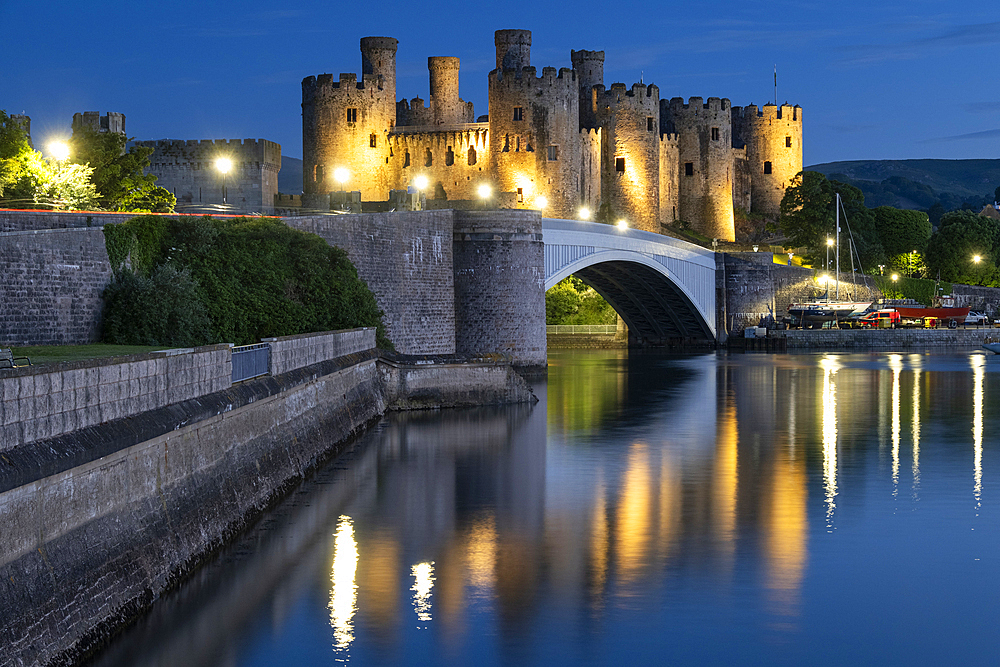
(250, 361)
(607, 329)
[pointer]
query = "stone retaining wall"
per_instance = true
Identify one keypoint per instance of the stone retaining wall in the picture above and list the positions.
(886, 338)
(38, 402)
(291, 352)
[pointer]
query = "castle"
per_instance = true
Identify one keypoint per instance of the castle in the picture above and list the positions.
(559, 142)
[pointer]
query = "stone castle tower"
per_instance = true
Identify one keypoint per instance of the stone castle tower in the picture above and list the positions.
(112, 121)
(558, 142)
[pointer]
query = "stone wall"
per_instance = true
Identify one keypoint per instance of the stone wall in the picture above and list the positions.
(452, 160)
(187, 169)
(755, 287)
(985, 299)
(406, 260)
(22, 221)
(500, 285)
(291, 352)
(50, 284)
(38, 402)
(890, 339)
(772, 137)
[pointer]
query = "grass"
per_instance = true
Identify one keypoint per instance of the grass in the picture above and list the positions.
(49, 354)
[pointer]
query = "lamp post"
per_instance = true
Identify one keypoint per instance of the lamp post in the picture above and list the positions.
(59, 150)
(341, 175)
(790, 255)
(485, 192)
(224, 164)
(755, 247)
(541, 202)
(829, 244)
(623, 225)
(584, 213)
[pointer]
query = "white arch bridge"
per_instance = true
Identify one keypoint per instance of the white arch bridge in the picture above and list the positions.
(663, 288)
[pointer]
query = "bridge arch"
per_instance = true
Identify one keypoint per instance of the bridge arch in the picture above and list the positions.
(662, 287)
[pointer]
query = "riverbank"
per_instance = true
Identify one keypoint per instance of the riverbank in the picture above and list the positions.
(119, 477)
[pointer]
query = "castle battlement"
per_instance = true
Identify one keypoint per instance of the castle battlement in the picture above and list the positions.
(714, 104)
(619, 89)
(267, 153)
(527, 76)
(477, 136)
(347, 81)
(769, 111)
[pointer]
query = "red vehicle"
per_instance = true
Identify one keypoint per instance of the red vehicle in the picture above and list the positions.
(886, 318)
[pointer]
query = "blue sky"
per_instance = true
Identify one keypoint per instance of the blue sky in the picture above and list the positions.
(914, 79)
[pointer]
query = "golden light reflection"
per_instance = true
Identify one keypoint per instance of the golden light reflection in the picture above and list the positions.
(896, 364)
(599, 544)
(481, 555)
(830, 365)
(344, 593)
(634, 515)
(787, 535)
(915, 428)
(423, 585)
(978, 362)
(670, 506)
(725, 483)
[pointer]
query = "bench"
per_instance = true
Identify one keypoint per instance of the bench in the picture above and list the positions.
(8, 360)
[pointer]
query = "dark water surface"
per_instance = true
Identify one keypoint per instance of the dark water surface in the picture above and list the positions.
(821, 509)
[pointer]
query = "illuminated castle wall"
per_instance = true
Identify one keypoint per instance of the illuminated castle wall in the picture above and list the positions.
(557, 141)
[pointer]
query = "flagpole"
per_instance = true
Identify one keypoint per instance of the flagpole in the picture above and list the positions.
(776, 84)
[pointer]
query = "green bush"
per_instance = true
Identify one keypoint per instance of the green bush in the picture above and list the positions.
(254, 277)
(161, 309)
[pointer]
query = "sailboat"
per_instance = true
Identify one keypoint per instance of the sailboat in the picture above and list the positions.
(819, 311)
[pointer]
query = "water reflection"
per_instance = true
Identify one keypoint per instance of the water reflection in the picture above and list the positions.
(694, 506)
(343, 592)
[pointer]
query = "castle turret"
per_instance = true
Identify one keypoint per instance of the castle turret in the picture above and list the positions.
(630, 152)
(447, 105)
(534, 130)
(704, 136)
(24, 122)
(345, 125)
(589, 66)
(513, 49)
(773, 140)
(112, 121)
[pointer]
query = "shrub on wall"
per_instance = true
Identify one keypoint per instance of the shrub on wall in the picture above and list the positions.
(253, 277)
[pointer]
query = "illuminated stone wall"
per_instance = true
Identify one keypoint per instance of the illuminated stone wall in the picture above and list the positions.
(704, 132)
(630, 152)
(454, 162)
(669, 179)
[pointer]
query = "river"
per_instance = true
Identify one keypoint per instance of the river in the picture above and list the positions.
(821, 508)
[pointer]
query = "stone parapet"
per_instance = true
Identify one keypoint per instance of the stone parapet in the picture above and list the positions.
(292, 352)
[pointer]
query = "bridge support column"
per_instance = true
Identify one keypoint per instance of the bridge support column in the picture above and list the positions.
(499, 264)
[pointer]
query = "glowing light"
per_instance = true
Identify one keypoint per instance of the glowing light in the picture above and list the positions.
(829, 242)
(915, 360)
(978, 374)
(344, 593)
(484, 191)
(894, 277)
(59, 150)
(823, 280)
(541, 202)
(341, 175)
(830, 366)
(622, 224)
(977, 259)
(481, 554)
(224, 164)
(634, 516)
(896, 364)
(584, 213)
(420, 182)
(423, 584)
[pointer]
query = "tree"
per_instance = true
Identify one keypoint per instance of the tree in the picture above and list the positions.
(962, 236)
(15, 151)
(119, 174)
(901, 232)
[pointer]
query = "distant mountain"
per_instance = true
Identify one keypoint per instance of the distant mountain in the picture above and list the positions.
(951, 181)
(290, 176)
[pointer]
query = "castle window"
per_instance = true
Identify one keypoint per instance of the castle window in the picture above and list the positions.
(373, 140)
(520, 195)
(649, 124)
(406, 159)
(428, 158)
(449, 157)
(518, 113)
(767, 167)
(553, 153)
(352, 115)
(620, 164)
(715, 134)
(472, 156)
(788, 142)
(689, 168)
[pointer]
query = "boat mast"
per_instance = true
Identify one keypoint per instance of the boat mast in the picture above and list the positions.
(838, 246)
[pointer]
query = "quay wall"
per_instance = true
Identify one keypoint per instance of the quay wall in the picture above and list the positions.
(886, 339)
(98, 523)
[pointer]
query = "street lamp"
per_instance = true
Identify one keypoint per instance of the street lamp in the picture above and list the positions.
(420, 182)
(622, 224)
(584, 213)
(894, 277)
(485, 192)
(790, 255)
(829, 244)
(541, 202)
(224, 164)
(341, 175)
(977, 259)
(59, 150)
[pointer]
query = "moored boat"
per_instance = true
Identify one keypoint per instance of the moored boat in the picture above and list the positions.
(943, 308)
(992, 344)
(824, 311)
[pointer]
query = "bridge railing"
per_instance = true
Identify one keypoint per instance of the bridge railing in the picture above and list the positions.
(250, 361)
(606, 329)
